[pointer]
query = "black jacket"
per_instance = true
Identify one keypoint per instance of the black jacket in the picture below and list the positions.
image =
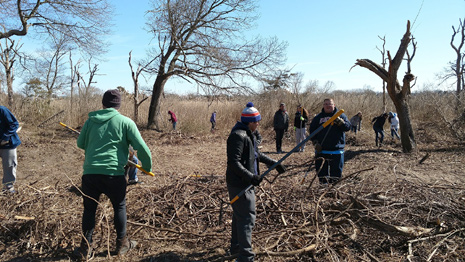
(298, 122)
(281, 120)
(241, 156)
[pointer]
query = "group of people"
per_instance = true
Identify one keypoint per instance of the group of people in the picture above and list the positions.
(243, 157)
(378, 126)
(109, 139)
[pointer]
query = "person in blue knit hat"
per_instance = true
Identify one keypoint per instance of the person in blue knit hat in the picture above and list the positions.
(242, 171)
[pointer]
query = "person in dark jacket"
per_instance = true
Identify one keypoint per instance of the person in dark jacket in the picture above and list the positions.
(242, 171)
(213, 120)
(356, 122)
(281, 125)
(9, 141)
(329, 143)
(300, 126)
(378, 127)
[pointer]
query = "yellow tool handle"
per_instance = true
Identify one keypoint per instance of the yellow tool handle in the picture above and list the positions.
(140, 168)
(64, 125)
(325, 124)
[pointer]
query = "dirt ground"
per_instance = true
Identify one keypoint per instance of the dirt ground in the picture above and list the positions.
(391, 206)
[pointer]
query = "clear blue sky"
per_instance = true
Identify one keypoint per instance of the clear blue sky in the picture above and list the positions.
(325, 38)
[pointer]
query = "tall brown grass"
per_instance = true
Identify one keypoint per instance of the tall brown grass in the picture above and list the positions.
(432, 110)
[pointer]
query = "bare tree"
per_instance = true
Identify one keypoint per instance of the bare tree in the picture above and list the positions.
(277, 79)
(201, 41)
(398, 93)
(458, 67)
(383, 62)
(83, 21)
(8, 56)
(50, 66)
(135, 79)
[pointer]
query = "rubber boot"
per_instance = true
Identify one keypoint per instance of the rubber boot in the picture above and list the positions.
(123, 245)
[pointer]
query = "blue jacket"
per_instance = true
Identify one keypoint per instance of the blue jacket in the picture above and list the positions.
(335, 138)
(8, 127)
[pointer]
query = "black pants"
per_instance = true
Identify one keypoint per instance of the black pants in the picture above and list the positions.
(331, 171)
(112, 186)
(279, 139)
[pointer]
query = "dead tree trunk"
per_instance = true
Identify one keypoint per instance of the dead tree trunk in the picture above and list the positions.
(458, 66)
(154, 109)
(383, 55)
(399, 94)
(135, 79)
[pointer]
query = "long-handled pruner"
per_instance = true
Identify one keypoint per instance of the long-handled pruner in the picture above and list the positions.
(325, 124)
(129, 161)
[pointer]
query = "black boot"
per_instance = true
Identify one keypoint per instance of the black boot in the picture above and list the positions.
(84, 251)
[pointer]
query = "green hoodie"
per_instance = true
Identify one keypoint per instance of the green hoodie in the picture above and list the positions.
(106, 137)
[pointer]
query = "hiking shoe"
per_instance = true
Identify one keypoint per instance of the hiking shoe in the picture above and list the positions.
(123, 245)
(132, 182)
(83, 253)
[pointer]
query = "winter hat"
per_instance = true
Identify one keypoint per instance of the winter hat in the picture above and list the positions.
(250, 114)
(112, 98)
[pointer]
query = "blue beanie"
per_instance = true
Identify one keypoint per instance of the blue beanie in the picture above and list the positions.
(250, 114)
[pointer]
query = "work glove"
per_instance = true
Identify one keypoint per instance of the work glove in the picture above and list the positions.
(280, 168)
(294, 128)
(339, 121)
(256, 180)
(4, 142)
(302, 118)
(318, 147)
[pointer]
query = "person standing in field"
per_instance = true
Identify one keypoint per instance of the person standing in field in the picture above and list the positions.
(213, 120)
(394, 121)
(356, 122)
(300, 123)
(8, 144)
(130, 171)
(281, 125)
(173, 119)
(105, 138)
(378, 127)
(242, 171)
(329, 143)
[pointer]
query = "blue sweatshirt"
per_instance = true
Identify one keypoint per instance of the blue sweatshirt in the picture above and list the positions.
(331, 138)
(8, 127)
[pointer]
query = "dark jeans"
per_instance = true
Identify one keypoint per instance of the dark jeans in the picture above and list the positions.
(379, 135)
(332, 167)
(112, 186)
(243, 221)
(353, 129)
(279, 139)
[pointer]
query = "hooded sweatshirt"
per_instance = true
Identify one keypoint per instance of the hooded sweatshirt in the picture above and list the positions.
(8, 127)
(106, 137)
(331, 138)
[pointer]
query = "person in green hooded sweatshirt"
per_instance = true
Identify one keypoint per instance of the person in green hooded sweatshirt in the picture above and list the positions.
(106, 137)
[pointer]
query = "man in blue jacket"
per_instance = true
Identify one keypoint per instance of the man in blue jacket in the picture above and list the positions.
(329, 143)
(8, 143)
